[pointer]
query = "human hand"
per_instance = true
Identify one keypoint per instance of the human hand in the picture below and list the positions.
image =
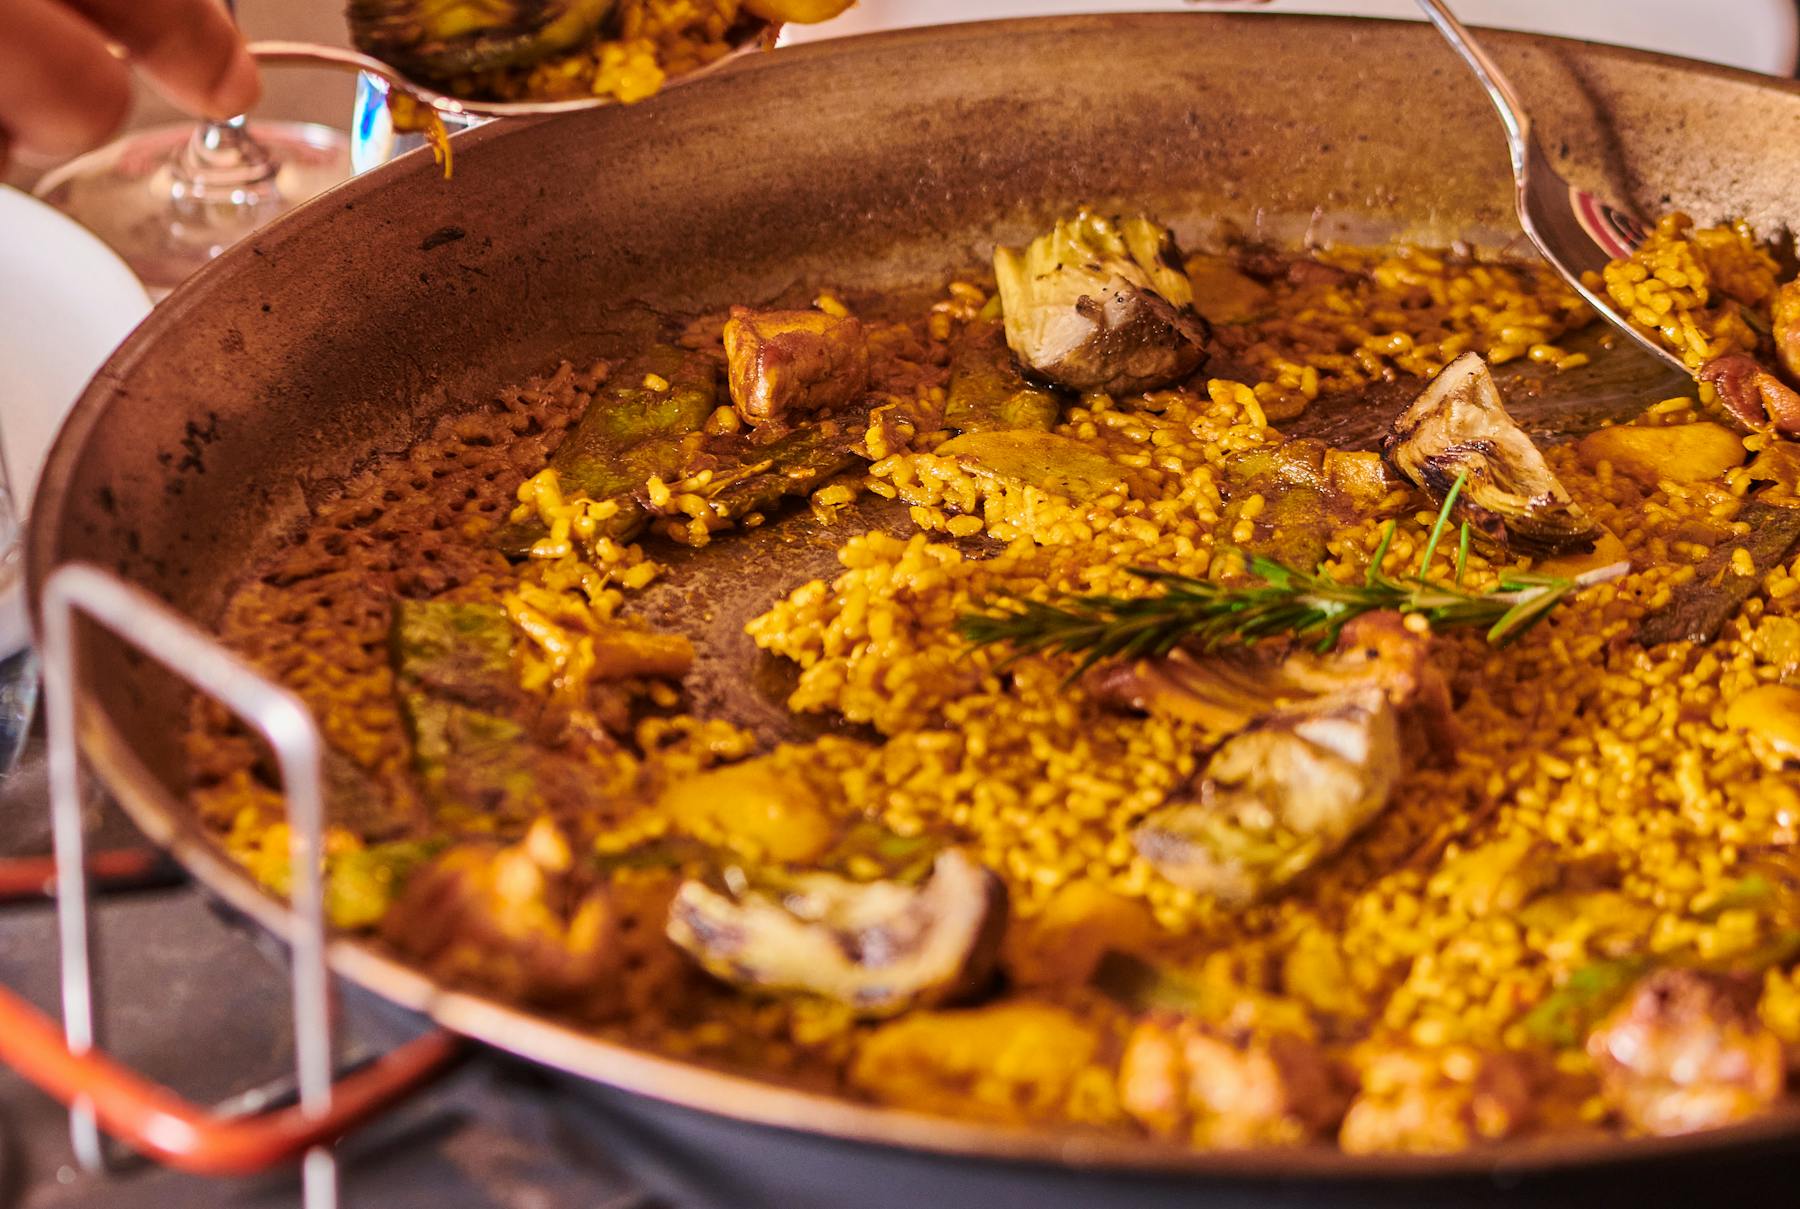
(64, 88)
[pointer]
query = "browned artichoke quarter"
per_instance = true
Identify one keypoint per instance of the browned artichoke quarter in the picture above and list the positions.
(443, 39)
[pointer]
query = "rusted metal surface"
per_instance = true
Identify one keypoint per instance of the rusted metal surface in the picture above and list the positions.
(877, 163)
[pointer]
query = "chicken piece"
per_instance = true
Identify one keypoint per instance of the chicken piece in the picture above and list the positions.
(1101, 303)
(1685, 1051)
(1682, 453)
(1434, 1101)
(1277, 799)
(1459, 428)
(1755, 396)
(1771, 712)
(1785, 327)
(783, 364)
(1378, 649)
(512, 920)
(1226, 690)
(1228, 1089)
(880, 947)
(1223, 692)
(798, 12)
(1014, 1062)
(754, 808)
(1063, 945)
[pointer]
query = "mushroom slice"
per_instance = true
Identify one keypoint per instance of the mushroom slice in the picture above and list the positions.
(1460, 426)
(1101, 304)
(1278, 798)
(881, 947)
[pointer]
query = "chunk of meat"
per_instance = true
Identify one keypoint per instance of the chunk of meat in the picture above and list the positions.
(1685, 1051)
(1227, 1089)
(1101, 303)
(509, 919)
(1225, 691)
(1431, 1101)
(780, 364)
(1378, 649)
(753, 807)
(1785, 327)
(1699, 608)
(1754, 395)
(1014, 1062)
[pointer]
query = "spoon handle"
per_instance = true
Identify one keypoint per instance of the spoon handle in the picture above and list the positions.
(1499, 89)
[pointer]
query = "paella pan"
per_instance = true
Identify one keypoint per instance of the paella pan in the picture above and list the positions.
(786, 649)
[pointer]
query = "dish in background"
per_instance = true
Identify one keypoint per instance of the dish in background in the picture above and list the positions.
(1757, 35)
(67, 302)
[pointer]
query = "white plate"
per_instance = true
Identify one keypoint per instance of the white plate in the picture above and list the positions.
(65, 303)
(1759, 35)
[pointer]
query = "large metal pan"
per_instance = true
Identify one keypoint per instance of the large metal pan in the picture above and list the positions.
(333, 336)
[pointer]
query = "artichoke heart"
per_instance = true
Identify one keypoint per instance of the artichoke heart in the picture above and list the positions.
(880, 946)
(443, 39)
(1101, 304)
(1460, 427)
(1277, 798)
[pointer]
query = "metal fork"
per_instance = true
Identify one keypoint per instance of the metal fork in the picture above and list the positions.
(1573, 230)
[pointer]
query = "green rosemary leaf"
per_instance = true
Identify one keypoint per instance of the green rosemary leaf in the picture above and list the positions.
(1208, 615)
(1443, 518)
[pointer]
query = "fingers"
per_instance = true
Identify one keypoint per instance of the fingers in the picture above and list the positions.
(61, 89)
(189, 48)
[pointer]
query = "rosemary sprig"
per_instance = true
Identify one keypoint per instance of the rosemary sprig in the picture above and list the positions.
(1303, 604)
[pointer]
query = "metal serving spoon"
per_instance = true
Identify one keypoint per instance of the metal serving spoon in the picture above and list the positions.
(314, 54)
(1573, 230)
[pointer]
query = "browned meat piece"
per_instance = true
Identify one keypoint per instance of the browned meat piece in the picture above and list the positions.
(1267, 265)
(784, 363)
(1377, 648)
(1225, 691)
(1786, 325)
(1685, 1051)
(509, 920)
(1229, 1088)
(1435, 1100)
(1700, 607)
(1754, 395)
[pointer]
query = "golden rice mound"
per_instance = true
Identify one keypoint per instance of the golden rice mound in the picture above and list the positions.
(1580, 747)
(316, 616)
(1397, 311)
(1686, 285)
(1599, 801)
(654, 40)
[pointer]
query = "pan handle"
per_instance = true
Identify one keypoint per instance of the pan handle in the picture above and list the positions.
(98, 1091)
(154, 1121)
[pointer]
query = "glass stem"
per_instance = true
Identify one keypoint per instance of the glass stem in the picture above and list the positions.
(223, 164)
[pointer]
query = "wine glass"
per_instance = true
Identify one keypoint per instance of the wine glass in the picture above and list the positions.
(170, 198)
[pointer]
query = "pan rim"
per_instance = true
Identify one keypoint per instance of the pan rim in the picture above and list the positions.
(541, 1039)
